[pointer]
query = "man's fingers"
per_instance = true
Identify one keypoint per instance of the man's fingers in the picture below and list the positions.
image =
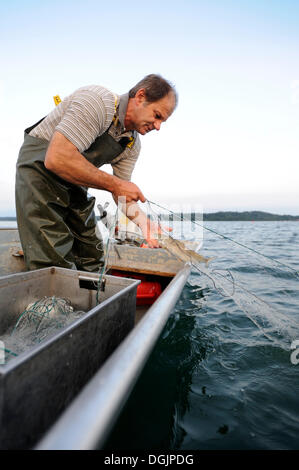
(153, 245)
(141, 197)
(130, 191)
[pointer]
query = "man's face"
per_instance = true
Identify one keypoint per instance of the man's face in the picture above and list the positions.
(149, 116)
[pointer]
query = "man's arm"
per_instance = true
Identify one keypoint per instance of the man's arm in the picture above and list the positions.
(64, 159)
(149, 228)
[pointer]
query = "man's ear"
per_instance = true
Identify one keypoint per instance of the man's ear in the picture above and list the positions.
(140, 96)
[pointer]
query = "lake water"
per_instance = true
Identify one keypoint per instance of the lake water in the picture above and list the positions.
(221, 375)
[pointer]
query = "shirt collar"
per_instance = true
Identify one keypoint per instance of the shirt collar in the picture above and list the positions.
(123, 104)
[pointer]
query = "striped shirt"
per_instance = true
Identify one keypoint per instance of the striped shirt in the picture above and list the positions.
(87, 113)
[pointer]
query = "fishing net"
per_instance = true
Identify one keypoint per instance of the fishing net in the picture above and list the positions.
(110, 237)
(251, 284)
(39, 320)
(44, 313)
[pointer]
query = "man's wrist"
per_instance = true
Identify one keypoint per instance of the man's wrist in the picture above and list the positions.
(111, 183)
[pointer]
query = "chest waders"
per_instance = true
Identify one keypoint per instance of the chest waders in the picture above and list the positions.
(56, 219)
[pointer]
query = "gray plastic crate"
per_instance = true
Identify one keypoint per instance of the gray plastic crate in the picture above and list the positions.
(38, 384)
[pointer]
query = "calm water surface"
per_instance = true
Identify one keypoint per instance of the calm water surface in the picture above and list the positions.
(221, 375)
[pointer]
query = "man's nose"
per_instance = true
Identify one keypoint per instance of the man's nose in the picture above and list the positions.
(157, 125)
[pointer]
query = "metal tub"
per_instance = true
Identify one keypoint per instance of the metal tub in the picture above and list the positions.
(37, 385)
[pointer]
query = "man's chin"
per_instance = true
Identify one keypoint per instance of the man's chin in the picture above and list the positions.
(142, 131)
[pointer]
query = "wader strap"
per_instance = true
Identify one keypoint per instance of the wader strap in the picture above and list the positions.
(105, 148)
(29, 129)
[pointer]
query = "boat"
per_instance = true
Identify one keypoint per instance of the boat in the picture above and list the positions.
(85, 420)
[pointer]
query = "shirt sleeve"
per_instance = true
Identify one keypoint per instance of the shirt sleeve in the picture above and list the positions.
(124, 167)
(84, 119)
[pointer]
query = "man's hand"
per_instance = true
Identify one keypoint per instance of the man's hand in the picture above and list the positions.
(127, 190)
(151, 232)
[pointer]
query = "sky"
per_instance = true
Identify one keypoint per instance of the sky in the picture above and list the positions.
(233, 141)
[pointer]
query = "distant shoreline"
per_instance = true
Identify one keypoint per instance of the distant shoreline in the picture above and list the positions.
(225, 216)
(256, 216)
(229, 216)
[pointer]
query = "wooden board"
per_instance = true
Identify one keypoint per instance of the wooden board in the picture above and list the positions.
(143, 260)
(11, 260)
(122, 257)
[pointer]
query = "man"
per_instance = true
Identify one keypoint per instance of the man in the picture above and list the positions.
(59, 160)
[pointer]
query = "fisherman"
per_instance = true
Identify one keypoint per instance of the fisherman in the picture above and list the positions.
(60, 159)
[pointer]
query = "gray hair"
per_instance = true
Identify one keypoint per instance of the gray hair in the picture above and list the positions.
(155, 86)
